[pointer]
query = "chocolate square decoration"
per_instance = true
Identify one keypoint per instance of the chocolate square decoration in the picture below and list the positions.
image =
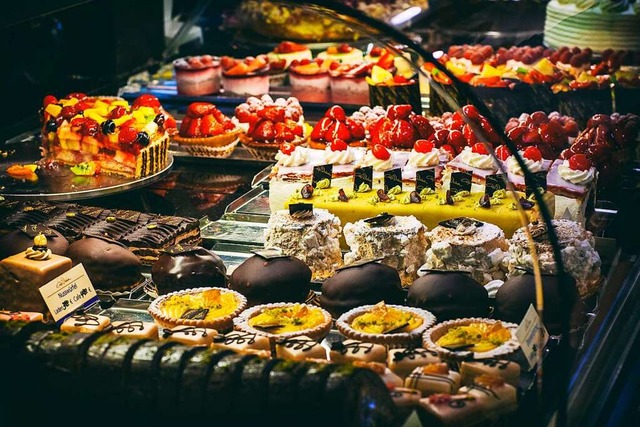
(270, 253)
(460, 181)
(392, 178)
(91, 211)
(494, 183)
(363, 175)
(126, 215)
(32, 230)
(539, 180)
(174, 221)
(321, 172)
(425, 178)
(300, 207)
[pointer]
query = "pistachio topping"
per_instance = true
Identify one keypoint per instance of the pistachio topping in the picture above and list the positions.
(363, 188)
(323, 183)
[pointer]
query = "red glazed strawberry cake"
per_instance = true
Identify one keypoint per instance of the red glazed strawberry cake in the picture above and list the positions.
(310, 81)
(206, 132)
(267, 124)
(336, 125)
(400, 128)
(131, 141)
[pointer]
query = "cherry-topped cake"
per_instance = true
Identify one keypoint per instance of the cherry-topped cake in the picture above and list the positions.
(549, 133)
(118, 138)
(400, 128)
(267, 123)
(289, 51)
(336, 125)
(205, 131)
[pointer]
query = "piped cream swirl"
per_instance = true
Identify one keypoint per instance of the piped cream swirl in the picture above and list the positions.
(421, 160)
(37, 254)
(476, 160)
(341, 157)
(574, 176)
(532, 165)
(378, 165)
(298, 157)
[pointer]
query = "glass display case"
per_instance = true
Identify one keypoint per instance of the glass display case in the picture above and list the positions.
(490, 81)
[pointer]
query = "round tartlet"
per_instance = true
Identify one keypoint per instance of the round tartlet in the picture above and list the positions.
(432, 335)
(392, 339)
(219, 146)
(318, 330)
(265, 150)
(167, 308)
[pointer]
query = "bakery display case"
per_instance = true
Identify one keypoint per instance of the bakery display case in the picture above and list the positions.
(332, 212)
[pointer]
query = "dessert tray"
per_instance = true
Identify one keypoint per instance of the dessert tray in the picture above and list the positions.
(58, 184)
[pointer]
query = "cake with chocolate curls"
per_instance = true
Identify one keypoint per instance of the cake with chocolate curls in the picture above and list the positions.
(75, 219)
(118, 224)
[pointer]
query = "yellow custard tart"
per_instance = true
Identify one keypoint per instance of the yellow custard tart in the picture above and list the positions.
(482, 338)
(212, 308)
(392, 325)
(285, 320)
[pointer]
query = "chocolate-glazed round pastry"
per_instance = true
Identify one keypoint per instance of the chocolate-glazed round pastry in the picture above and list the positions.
(361, 284)
(449, 295)
(109, 265)
(516, 295)
(267, 280)
(17, 241)
(181, 268)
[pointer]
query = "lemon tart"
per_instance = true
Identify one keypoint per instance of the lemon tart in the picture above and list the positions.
(285, 320)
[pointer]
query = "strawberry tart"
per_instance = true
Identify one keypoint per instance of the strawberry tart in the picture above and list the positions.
(336, 125)
(249, 76)
(206, 132)
(267, 124)
(197, 75)
(120, 139)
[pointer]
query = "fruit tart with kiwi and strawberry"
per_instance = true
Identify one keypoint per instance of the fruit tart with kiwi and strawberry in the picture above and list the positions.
(267, 124)
(120, 139)
(336, 125)
(343, 53)
(289, 51)
(400, 128)
(310, 80)
(205, 131)
(248, 76)
(389, 88)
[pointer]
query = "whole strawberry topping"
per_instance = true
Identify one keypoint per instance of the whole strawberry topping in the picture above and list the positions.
(502, 152)
(146, 100)
(117, 112)
(338, 145)
(533, 154)
(399, 111)
(336, 112)
(380, 152)
(479, 148)
(49, 99)
(423, 146)
(287, 148)
(127, 135)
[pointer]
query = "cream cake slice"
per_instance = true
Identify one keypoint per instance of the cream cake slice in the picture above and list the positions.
(190, 335)
(85, 323)
(433, 378)
(353, 350)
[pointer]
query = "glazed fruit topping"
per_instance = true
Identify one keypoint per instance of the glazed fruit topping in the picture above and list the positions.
(287, 148)
(117, 112)
(49, 99)
(68, 112)
(289, 47)
(146, 100)
(533, 154)
(580, 162)
(480, 148)
(380, 152)
(341, 48)
(549, 133)
(338, 145)
(127, 135)
(108, 127)
(503, 152)
(51, 125)
(400, 128)
(204, 119)
(236, 67)
(143, 138)
(336, 112)
(199, 109)
(423, 146)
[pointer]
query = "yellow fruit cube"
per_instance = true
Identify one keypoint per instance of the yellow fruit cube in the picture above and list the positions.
(68, 102)
(489, 71)
(53, 110)
(120, 120)
(544, 66)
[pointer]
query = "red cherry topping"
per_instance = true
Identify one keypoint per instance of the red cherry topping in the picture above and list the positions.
(471, 111)
(380, 152)
(68, 112)
(423, 146)
(127, 135)
(49, 99)
(479, 148)
(117, 112)
(287, 148)
(399, 111)
(532, 153)
(146, 100)
(580, 162)
(338, 145)
(502, 152)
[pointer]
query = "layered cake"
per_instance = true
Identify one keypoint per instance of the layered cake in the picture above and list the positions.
(300, 348)
(343, 53)
(22, 275)
(85, 323)
(114, 224)
(271, 277)
(197, 75)
(507, 370)
(574, 182)
(400, 241)
(75, 219)
(119, 139)
(349, 85)
(577, 246)
(245, 77)
(433, 378)
(467, 244)
(599, 25)
(310, 80)
(205, 131)
(493, 394)
(403, 361)
(354, 350)
(310, 235)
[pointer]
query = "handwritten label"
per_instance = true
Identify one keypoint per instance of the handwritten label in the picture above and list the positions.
(539, 181)
(321, 172)
(528, 335)
(460, 181)
(363, 175)
(425, 178)
(392, 178)
(68, 292)
(494, 183)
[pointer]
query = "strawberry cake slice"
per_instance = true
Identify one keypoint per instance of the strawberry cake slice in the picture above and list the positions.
(336, 125)
(114, 137)
(206, 132)
(573, 181)
(267, 124)
(533, 160)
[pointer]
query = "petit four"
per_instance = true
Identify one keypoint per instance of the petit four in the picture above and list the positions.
(507, 370)
(289, 51)
(285, 320)
(433, 378)
(189, 335)
(264, 279)
(21, 316)
(403, 361)
(460, 410)
(360, 284)
(85, 323)
(449, 295)
(241, 342)
(135, 329)
(495, 396)
(354, 350)
(388, 377)
(212, 308)
(310, 235)
(197, 75)
(300, 348)
(405, 397)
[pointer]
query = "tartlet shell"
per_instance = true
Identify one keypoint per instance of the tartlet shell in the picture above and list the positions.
(241, 322)
(218, 141)
(221, 324)
(393, 340)
(265, 150)
(432, 335)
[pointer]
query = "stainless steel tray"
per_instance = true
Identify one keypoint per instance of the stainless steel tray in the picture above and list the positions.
(239, 232)
(252, 206)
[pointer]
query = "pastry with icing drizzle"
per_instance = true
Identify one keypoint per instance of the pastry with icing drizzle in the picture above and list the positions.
(84, 322)
(300, 348)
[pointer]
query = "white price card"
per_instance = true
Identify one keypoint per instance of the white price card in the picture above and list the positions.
(68, 292)
(528, 335)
